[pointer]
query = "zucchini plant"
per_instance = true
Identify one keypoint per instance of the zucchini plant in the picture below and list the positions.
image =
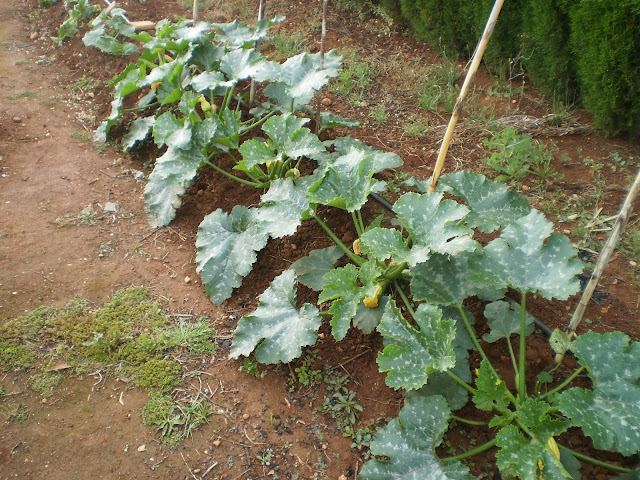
(410, 282)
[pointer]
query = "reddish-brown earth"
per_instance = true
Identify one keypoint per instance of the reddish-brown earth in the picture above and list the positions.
(49, 173)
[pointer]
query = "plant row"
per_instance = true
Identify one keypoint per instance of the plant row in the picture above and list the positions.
(408, 277)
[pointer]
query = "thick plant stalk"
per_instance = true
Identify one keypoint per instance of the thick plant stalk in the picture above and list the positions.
(482, 46)
(605, 255)
(252, 87)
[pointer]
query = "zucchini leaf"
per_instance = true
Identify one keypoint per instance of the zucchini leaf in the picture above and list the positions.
(226, 249)
(311, 269)
(345, 182)
(443, 279)
(283, 208)
(433, 225)
(172, 175)
(342, 286)
(409, 442)
(526, 258)
(610, 413)
(493, 204)
(276, 329)
(416, 352)
(504, 320)
(528, 459)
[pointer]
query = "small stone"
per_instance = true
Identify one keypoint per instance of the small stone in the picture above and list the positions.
(514, 101)
(245, 416)
(526, 187)
(364, 104)
(142, 448)
(216, 443)
(294, 246)
(326, 102)
(197, 470)
(632, 263)
(566, 231)
(17, 119)
(321, 336)
(324, 446)
(342, 477)
(110, 207)
(187, 279)
(44, 400)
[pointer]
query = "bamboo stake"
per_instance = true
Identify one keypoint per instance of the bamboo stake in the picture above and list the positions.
(482, 45)
(323, 37)
(252, 88)
(196, 10)
(605, 255)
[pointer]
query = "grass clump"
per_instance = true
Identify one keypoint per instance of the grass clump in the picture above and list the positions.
(45, 382)
(15, 357)
(175, 421)
(17, 412)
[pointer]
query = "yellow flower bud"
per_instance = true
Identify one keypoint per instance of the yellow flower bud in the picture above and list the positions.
(356, 246)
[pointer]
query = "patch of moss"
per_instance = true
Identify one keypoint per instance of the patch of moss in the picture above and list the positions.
(195, 337)
(14, 356)
(27, 326)
(44, 383)
(158, 374)
(134, 305)
(138, 351)
(16, 412)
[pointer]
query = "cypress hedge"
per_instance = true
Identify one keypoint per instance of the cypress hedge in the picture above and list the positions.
(587, 49)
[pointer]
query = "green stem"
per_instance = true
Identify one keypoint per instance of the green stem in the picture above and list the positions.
(359, 216)
(476, 343)
(470, 453)
(356, 223)
(563, 384)
(142, 107)
(258, 123)
(461, 382)
(467, 421)
(512, 355)
(405, 300)
(593, 461)
(522, 383)
(356, 259)
(394, 272)
(227, 99)
(237, 179)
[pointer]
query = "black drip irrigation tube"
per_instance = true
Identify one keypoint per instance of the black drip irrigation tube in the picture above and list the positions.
(389, 207)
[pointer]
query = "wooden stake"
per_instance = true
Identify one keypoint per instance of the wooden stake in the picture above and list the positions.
(323, 37)
(252, 88)
(482, 45)
(196, 10)
(605, 255)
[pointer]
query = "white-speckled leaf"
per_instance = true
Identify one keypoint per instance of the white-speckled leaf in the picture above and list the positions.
(276, 329)
(291, 139)
(443, 279)
(226, 249)
(415, 352)
(172, 175)
(311, 269)
(381, 160)
(384, 243)
(283, 207)
(504, 320)
(493, 204)
(610, 413)
(409, 444)
(522, 457)
(345, 182)
(138, 131)
(433, 225)
(526, 258)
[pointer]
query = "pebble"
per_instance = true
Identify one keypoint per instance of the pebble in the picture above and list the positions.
(142, 448)
(245, 416)
(632, 263)
(216, 443)
(110, 207)
(326, 102)
(364, 104)
(17, 119)
(187, 279)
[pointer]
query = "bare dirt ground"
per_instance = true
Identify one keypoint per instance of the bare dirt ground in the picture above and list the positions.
(72, 224)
